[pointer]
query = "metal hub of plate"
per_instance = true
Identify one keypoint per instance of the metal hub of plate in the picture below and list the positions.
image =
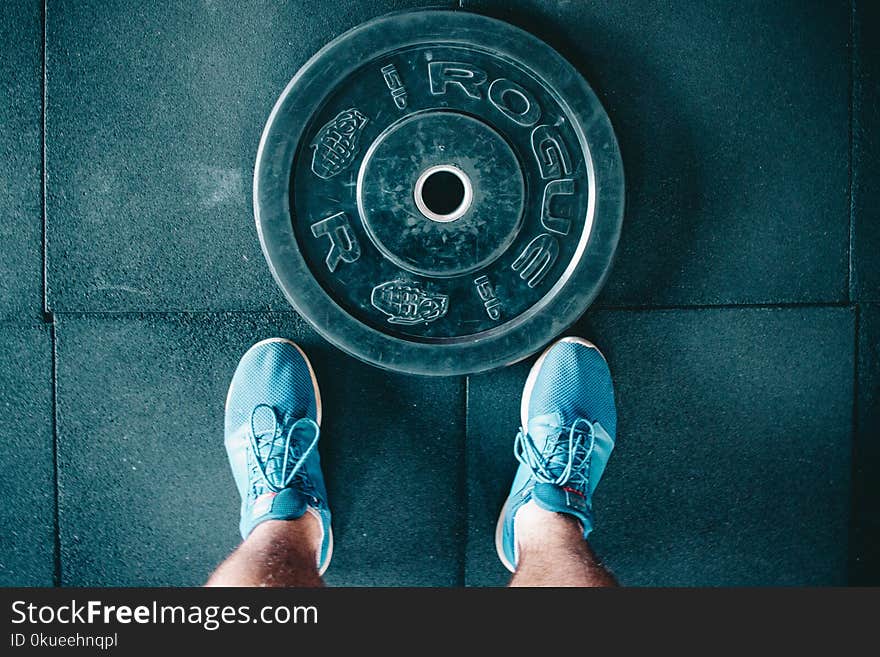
(391, 186)
(443, 193)
(439, 192)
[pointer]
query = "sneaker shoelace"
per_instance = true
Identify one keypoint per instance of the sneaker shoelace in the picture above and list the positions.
(266, 468)
(565, 459)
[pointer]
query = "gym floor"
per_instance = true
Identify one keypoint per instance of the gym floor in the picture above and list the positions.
(741, 321)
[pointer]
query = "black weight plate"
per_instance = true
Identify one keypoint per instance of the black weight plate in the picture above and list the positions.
(439, 192)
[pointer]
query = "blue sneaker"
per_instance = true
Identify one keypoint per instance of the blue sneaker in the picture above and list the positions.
(568, 427)
(273, 413)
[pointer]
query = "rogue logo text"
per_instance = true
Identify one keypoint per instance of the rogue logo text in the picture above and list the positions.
(552, 157)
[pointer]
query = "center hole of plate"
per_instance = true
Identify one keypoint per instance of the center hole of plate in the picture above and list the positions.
(443, 193)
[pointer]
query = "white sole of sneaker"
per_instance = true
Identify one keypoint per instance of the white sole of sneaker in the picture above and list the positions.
(322, 567)
(524, 423)
(499, 539)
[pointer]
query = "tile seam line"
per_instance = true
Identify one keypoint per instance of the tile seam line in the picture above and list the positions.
(855, 443)
(723, 306)
(293, 313)
(56, 521)
(47, 317)
(465, 540)
(853, 68)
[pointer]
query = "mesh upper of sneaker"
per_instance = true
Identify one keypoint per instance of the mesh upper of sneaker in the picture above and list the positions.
(271, 390)
(274, 374)
(574, 381)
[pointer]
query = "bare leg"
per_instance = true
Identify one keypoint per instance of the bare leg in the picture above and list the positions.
(553, 552)
(277, 553)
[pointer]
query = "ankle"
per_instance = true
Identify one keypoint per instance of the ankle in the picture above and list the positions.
(275, 553)
(301, 534)
(536, 528)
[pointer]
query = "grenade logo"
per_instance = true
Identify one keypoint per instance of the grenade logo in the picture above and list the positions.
(336, 144)
(406, 304)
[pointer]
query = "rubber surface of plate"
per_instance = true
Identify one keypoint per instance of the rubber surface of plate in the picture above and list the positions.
(348, 239)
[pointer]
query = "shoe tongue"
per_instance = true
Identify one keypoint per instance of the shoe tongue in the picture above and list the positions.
(290, 503)
(542, 427)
